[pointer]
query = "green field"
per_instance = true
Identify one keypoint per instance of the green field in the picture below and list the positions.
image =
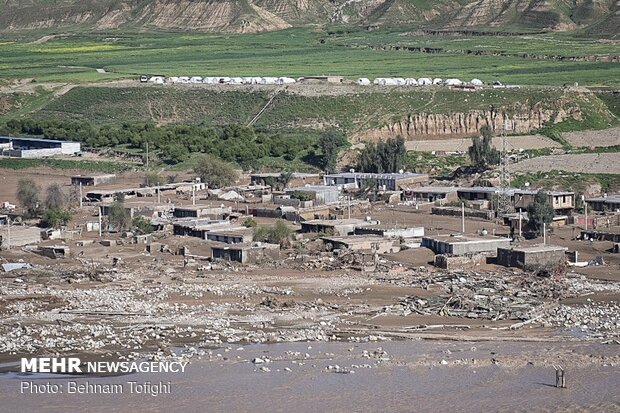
(83, 165)
(531, 60)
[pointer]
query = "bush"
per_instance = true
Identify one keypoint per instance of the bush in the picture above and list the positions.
(143, 225)
(302, 196)
(154, 179)
(278, 233)
(249, 223)
(56, 217)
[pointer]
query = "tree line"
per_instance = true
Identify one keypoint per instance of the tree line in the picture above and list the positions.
(231, 143)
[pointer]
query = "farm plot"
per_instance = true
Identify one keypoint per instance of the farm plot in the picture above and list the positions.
(597, 163)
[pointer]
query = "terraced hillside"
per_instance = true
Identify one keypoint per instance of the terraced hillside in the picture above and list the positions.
(598, 17)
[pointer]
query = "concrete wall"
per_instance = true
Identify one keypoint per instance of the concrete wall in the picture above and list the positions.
(33, 153)
(70, 148)
(471, 213)
(414, 232)
(531, 259)
(451, 263)
(20, 236)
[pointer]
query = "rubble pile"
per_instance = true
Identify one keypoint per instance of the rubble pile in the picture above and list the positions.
(148, 311)
(595, 321)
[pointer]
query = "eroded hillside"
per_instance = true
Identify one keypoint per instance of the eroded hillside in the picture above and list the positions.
(600, 17)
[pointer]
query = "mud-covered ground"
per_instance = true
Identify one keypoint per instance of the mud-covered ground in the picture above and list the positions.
(396, 376)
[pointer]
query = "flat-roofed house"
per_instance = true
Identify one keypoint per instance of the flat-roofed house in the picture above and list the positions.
(431, 194)
(604, 203)
(463, 245)
(562, 201)
(385, 182)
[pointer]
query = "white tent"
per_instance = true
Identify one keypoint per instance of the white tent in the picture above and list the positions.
(453, 82)
(184, 79)
(195, 79)
(399, 81)
(268, 80)
(476, 82)
(425, 81)
(247, 80)
(363, 81)
(411, 82)
(173, 79)
(386, 81)
(209, 79)
(223, 79)
(437, 81)
(158, 80)
(285, 80)
(236, 81)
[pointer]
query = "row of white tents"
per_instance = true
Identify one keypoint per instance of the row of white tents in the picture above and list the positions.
(381, 81)
(423, 81)
(211, 80)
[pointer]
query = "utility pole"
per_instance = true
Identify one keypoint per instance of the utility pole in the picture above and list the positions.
(147, 160)
(349, 205)
(503, 201)
(520, 223)
(8, 230)
(99, 209)
(463, 217)
(545, 233)
(80, 195)
(586, 205)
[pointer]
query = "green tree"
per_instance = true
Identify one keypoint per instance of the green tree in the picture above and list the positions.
(55, 197)
(215, 172)
(57, 217)
(28, 196)
(482, 153)
(301, 195)
(540, 212)
(119, 217)
(142, 224)
(278, 233)
(329, 144)
(175, 153)
(383, 157)
(249, 223)
(154, 179)
(284, 179)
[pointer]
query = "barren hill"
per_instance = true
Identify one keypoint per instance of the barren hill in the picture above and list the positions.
(599, 17)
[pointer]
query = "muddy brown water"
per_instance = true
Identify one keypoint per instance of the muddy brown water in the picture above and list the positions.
(507, 377)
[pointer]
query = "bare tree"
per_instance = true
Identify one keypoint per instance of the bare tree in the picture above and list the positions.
(28, 195)
(55, 197)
